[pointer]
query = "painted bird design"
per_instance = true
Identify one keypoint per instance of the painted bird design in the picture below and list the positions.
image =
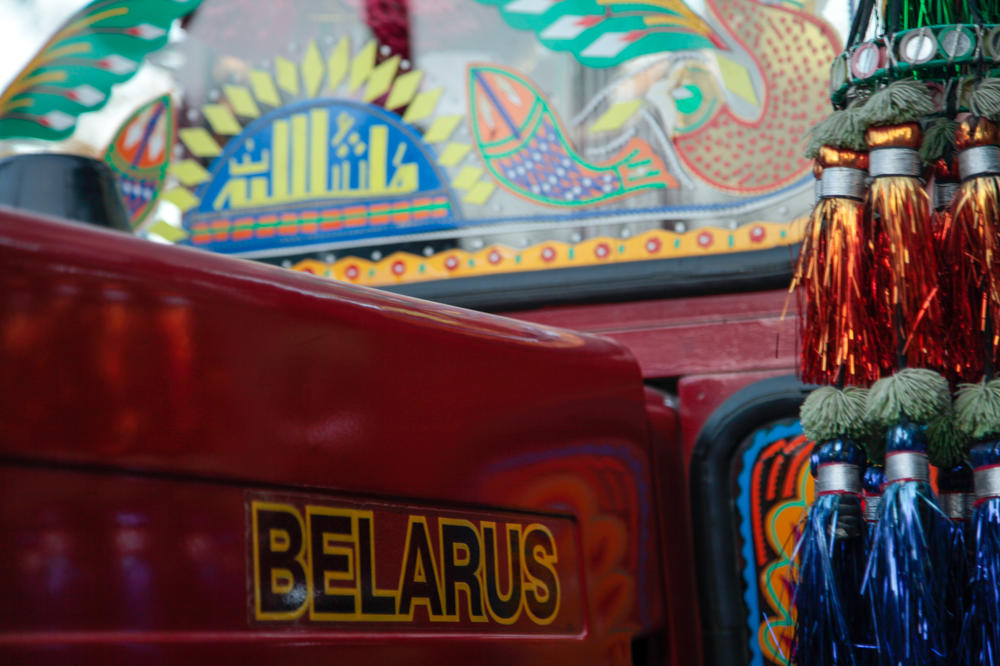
(525, 146)
(749, 76)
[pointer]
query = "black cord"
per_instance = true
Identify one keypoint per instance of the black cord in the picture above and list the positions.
(894, 14)
(988, 347)
(860, 24)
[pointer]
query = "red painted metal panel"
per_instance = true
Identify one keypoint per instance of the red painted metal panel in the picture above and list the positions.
(675, 529)
(701, 395)
(145, 388)
(672, 338)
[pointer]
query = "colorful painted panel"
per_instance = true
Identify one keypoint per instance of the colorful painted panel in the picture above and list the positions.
(556, 128)
(97, 47)
(604, 33)
(775, 489)
(741, 143)
(525, 147)
(319, 171)
(139, 155)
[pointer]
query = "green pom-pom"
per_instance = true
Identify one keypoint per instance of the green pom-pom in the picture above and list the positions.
(829, 413)
(984, 101)
(939, 138)
(977, 409)
(947, 444)
(899, 102)
(841, 129)
(918, 394)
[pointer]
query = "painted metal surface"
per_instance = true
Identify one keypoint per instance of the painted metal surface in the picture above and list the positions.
(150, 392)
(708, 349)
(775, 491)
(691, 336)
(675, 530)
(548, 135)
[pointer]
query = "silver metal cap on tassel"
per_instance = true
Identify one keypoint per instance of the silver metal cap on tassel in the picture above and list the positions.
(838, 478)
(957, 506)
(979, 161)
(944, 192)
(894, 162)
(906, 466)
(843, 182)
(987, 482)
(872, 503)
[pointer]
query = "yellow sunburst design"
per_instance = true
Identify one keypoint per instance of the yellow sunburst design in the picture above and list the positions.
(404, 267)
(341, 76)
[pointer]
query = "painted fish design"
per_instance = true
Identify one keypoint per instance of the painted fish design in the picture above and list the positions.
(525, 146)
(740, 123)
(139, 154)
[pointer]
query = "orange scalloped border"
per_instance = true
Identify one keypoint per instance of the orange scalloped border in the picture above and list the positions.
(404, 267)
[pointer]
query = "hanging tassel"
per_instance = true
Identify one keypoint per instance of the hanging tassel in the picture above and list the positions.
(900, 227)
(972, 243)
(977, 413)
(829, 554)
(904, 572)
(836, 342)
(955, 497)
(872, 483)
(867, 638)
(939, 154)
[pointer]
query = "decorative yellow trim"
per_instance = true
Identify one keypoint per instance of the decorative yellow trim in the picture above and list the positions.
(362, 66)
(287, 74)
(181, 198)
(403, 267)
(380, 79)
(312, 70)
(405, 88)
(441, 128)
(338, 63)
(423, 105)
(242, 101)
(199, 142)
(480, 192)
(221, 119)
(189, 172)
(453, 153)
(263, 88)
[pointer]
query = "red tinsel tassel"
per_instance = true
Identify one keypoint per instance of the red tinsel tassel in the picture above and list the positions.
(943, 195)
(837, 346)
(972, 243)
(905, 279)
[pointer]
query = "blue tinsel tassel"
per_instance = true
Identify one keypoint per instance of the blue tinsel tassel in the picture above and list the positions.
(982, 631)
(954, 496)
(905, 572)
(867, 636)
(830, 559)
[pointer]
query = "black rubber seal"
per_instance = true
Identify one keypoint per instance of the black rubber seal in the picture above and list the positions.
(72, 187)
(656, 278)
(720, 586)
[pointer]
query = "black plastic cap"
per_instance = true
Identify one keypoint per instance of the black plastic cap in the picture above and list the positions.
(68, 186)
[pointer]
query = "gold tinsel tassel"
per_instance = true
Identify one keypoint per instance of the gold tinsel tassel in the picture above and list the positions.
(837, 347)
(972, 243)
(900, 228)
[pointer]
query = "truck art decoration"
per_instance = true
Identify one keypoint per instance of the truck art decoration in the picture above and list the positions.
(613, 472)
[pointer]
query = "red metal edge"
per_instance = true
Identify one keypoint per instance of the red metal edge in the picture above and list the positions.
(129, 364)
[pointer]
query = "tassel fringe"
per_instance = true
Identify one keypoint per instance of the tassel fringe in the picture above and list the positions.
(827, 591)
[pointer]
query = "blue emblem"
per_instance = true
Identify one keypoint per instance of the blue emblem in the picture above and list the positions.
(319, 173)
